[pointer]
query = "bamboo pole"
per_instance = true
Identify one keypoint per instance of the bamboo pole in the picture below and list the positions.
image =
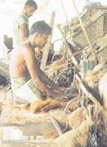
(64, 10)
(84, 30)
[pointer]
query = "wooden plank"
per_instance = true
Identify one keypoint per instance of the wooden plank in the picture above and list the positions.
(94, 29)
(24, 144)
(37, 128)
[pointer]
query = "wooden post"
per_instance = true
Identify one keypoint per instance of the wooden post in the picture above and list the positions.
(46, 49)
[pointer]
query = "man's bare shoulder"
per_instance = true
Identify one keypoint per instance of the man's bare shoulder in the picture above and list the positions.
(26, 50)
(23, 48)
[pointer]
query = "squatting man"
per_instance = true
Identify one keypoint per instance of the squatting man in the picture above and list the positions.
(24, 65)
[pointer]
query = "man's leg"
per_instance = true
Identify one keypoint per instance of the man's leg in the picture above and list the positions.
(17, 83)
(25, 92)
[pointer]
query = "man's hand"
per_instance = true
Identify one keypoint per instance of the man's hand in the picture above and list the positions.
(59, 95)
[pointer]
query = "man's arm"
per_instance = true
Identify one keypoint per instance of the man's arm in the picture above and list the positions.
(32, 66)
(36, 75)
(46, 80)
(23, 32)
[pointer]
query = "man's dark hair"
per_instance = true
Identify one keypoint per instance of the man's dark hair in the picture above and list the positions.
(40, 27)
(31, 3)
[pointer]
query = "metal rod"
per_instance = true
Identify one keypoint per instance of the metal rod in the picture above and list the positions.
(56, 125)
(69, 49)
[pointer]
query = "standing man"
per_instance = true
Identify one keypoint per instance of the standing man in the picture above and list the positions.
(21, 24)
(24, 65)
